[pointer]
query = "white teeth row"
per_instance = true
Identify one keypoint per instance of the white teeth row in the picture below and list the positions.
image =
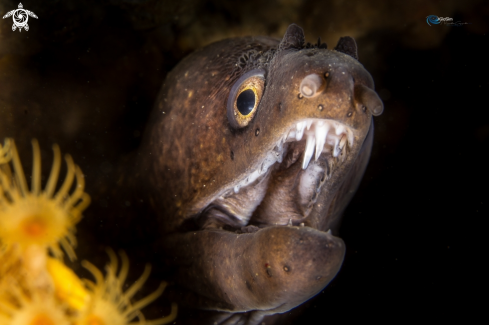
(272, 157)
(318, 133)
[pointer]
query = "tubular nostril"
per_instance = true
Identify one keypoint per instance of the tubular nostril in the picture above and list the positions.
(311, 85)
(369, 99)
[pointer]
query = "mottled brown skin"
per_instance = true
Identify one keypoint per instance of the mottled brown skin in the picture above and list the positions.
(193, 157)
(190, 141)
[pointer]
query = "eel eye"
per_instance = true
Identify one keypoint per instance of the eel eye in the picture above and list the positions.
(246, 102)
(245, 97)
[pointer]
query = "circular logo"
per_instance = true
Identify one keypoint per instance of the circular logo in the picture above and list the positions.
(20, 17)
(432, 19)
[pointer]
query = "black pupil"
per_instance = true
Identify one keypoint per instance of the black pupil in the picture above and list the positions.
(246, 102)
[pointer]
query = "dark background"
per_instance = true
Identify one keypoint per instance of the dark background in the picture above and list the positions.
(86, 75)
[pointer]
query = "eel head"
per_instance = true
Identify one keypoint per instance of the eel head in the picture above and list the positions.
(255, 148)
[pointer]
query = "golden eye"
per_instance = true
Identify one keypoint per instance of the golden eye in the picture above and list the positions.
(245, 97)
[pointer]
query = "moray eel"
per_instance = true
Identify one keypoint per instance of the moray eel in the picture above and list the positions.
(254, 148)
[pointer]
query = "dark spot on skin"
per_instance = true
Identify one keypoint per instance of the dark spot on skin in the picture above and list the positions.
(286, 268)
(248, 285)
(300, 96)
(232, 155)
(269, 272)
(257, 132)
(280, 106)
(318, 277)
(364, 108)
(326, 75)
(268, 269)
(320, 107)
(349, 114)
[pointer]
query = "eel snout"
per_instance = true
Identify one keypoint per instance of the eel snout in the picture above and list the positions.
(273, 269)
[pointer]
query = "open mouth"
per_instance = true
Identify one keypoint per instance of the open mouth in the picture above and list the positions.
(322, 137)
(287, 182)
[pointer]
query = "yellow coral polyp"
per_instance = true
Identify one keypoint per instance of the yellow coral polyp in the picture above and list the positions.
(35, 308)
(40, 217)
(36, 289)
(110, 305)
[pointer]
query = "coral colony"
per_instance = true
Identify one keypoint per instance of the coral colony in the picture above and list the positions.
(36, 225)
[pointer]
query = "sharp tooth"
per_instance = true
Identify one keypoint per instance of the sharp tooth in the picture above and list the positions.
(236, 189)
(299, 126)
(291, 135)
(349, 133)
(340, 129)
(309, 150)
(300, 130)
(342, 142)
(279, 146)
(252, 177)
(309, 123)
(321, 134)
(336, 150)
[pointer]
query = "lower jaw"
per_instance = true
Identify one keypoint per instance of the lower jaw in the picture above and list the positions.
(275, 268)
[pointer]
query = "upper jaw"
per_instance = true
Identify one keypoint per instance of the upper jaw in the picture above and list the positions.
(323, 136)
